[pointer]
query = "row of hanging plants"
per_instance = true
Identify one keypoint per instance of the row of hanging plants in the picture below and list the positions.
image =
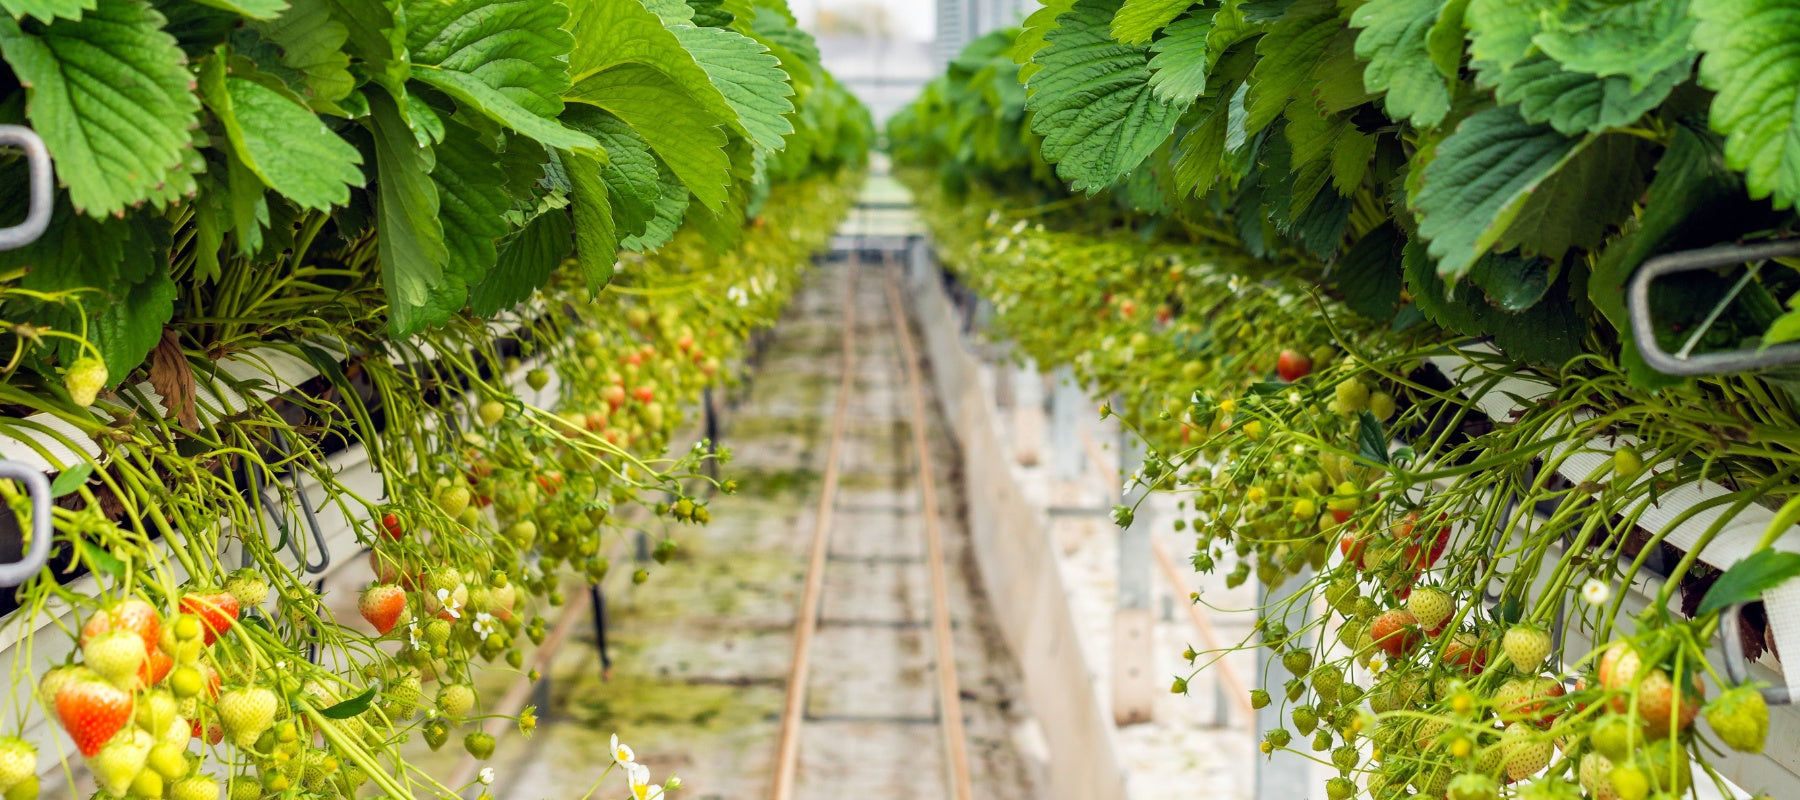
(1301, 245)
(426, 204)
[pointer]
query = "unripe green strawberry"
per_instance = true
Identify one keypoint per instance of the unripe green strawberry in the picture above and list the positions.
(1629, 782)
(1526, 647)
(1594, 775)
(436, 733)
(197, 787)
(155, 710)
(148, 785)
(455, 700)
(244, 787)
(1431, 606)
(537, 379)
(1740, 717)
(491, 412)
(168, 759)
(1305, 719)
(1297, 662)
(1278, 737)
(1346, 757)
(84, 380)
(479, 745)
(1259, 698)
(437, 631)
(1526, 755)
(1295, 688)
(1612, 737)
(248, 586)
(1470, 786)
(454, 499)
(24, 790)
(1341, 594)
(18, 761)
(247, 713)
(116, 656)
(1326, 681)
(1340, 789)
(1322, 741)
(118, 763)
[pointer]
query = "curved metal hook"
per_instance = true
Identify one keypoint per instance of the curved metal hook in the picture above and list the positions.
(1643, 328)
(37, 214)
(37, 487)
(1737, 668)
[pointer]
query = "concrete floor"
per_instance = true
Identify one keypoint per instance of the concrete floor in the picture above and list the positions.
(702, 650)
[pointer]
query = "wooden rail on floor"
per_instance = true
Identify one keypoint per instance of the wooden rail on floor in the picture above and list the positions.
(949, 694)
(787, 748)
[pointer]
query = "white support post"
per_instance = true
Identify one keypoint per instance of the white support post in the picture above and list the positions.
(1134, 649)
(1028, 414)
(1067, 463)
(1280, 775)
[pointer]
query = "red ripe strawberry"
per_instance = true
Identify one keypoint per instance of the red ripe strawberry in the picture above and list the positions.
(1423, 549)
(92, 711)
(1353, 547)
(157, 665)
(211, 734)
(390, 522)
(132, 615)
(1396, 632)
(644, 394)
(1465, 651)
(1293, 365)
(382, 604)
(217, 612)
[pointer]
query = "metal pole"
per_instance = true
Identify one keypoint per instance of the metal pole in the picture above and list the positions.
(1066, 407)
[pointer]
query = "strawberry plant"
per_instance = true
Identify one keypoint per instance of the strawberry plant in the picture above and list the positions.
(1435, 208)
(414, 208)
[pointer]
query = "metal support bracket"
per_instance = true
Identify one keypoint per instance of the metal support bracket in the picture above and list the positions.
(1737, 668)
(37, 487)
(1643, 328)
(37, 214)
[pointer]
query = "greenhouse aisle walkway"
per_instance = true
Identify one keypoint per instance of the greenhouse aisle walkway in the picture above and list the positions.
(702, 650)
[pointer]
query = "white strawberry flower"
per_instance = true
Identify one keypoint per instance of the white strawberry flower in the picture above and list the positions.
(486, 776)
(640, 782)
(1595, 591)
(449, 603)
(622, 753)
(484, 623)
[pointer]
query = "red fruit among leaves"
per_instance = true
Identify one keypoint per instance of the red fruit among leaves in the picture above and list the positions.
(157, 665)
(92, 711)
(217, 612)
(382, 604)
(1292, 365)
(390, 522)
(1466, 653)
(1396, 632)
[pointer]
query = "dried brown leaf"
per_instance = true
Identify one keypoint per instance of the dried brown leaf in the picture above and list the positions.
(173, 378)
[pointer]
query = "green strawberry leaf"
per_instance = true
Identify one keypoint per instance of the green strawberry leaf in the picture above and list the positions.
(1751, 61)
(254, 9)
(68, 480)
(633, 178)
(312, 44)
(1289, 53)
(621, 32)
(47, 10)
(112, 97)
(473, 203)
(1500, 31)
(668, 118)
(352, 707)
(281, 141)
(409, 231)
(1747, 580)
(1368, 276)
(671, 209)
(596, 237)
(1179, 68)
(1393, 39)
(1479, 180)
(748, 76)
(1579, 203)
(672, 12)
(1638, 39)
(525, 263)
(1033, 37)
(500, 58)
(1093, 102)
(1578, 102)
(1138, 20)
(1371, 440)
